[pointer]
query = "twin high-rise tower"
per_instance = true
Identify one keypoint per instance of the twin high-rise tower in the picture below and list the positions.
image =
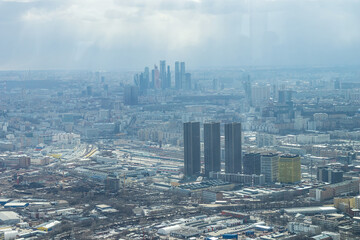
(192, 148)
(192, 164)
(233, 148)
(212, 148)
(165, 76)
(182, 79)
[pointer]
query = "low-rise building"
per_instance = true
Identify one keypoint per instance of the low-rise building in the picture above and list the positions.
(9, 218)
(303, 228)
(333, 190)
(48, 226)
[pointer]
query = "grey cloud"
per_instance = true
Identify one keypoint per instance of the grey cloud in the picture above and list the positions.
(114, 34)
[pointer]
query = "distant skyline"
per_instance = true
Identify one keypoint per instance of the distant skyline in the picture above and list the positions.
(131, 34)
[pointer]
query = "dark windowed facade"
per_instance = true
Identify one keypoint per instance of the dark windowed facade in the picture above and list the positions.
(212, 148)
(233, 148)
(191, 148)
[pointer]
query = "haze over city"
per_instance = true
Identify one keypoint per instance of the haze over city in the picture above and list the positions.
(118, 34)
(179, 119)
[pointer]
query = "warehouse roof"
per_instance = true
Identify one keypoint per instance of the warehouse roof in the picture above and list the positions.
(48, 225)
(8, 215)
(4, 200)
(310, 210)
(16, 204)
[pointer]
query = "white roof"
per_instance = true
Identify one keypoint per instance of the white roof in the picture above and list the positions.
(15, 204)
(103, 206)
(48, 224)
(168, 230)
(8, 215)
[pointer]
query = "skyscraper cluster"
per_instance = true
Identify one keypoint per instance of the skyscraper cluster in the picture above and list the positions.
(142, 80)
(192, 163)
(182, 79)
(160, 78)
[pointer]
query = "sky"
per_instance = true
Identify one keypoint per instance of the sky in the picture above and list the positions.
(132, 34)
